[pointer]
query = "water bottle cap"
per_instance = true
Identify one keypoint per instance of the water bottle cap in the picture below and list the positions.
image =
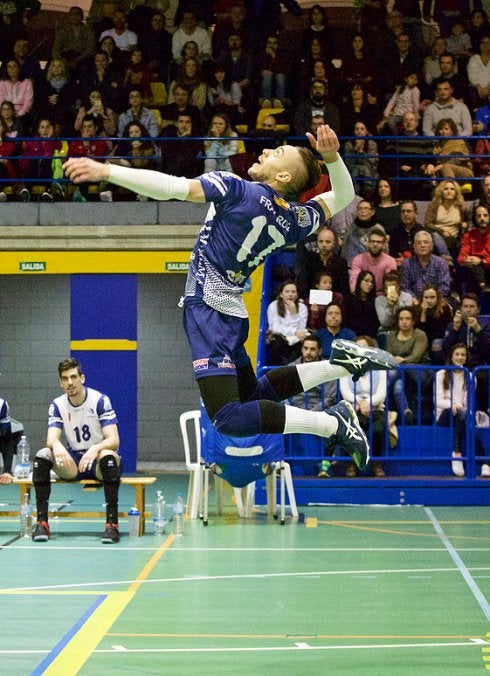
(134, 511)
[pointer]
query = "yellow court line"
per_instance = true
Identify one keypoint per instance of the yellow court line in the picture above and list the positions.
(120, 344)
(343, 524)
(81, 646)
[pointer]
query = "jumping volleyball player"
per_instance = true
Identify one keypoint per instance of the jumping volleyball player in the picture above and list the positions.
(247, 221)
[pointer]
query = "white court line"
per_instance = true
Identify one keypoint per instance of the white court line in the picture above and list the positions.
(458, 561)
(243, 576)
(293, 648)
(95, 548)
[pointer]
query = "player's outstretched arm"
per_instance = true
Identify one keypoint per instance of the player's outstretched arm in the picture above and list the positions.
(342, 193)
(153, 184)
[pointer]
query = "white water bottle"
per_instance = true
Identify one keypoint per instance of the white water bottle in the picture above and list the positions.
(23, 466)
(159, 514)
(26, 517)
(179, 516)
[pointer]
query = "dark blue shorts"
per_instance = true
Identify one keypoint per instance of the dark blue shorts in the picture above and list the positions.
(216, 340)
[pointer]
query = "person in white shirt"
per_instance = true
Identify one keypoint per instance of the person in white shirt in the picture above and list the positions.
(124, 38)
(189, 30)
(286, 321)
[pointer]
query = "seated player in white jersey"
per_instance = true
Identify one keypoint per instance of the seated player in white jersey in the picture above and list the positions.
(247, 221)
(89, 423)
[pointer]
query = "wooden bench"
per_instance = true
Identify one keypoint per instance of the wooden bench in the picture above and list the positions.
(139, 483)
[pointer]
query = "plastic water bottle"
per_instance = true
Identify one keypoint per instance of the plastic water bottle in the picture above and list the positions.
(23, 466)
(179, 516)
(159, 514)
(26, 517)
(134, 522)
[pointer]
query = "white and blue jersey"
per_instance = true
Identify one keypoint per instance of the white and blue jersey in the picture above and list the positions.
(82, 424)
(4, 415)
(245, 223)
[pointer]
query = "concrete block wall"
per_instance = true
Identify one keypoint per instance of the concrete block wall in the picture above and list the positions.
(35, 336)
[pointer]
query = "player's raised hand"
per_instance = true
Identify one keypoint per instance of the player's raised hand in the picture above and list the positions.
(326, 142)
(81, 169)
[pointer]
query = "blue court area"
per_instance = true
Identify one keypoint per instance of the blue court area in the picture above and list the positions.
(342, 590)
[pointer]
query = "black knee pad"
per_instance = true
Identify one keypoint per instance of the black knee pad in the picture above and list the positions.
(40, 471)
(109, 469)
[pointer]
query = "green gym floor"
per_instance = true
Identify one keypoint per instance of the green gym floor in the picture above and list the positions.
(344, 590)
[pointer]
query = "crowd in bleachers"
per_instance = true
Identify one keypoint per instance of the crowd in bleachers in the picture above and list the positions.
(403, 75)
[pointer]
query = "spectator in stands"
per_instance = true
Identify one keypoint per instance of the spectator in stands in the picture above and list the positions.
(7, 167)
(405, 99)
(452, 155)
(334, 328)
(137, 73)
(316, 104)
(481, 158)
(358, 66)
(458, 41)
(59, 97)
(320, 397)
(361, 159)
(181, 158)
(424, 267)
(387, 206)
(124, 38)
(236, 22)
(314, 65)
(374, 259)
(448, 66)
(479, 73)
(103, 79)
(266, 15)
(319, 29)
(137, 111)
(446, 106)
(137, 152)
(28, 64)
(399, 61)
(434, 315)
(316, 311)
(360, 106)
(409, 151)
(156, 44)
(468, 329)
(474, 254)
(451, 400)
(94, 105)
(485, 192)
(286, 325)
(368, 396)
(401, 239)
(342, 222)
(408, 345)
(446, 215)
(271, 71)
(189, 30)
(219, 151)
(359, 311)
(19, 92)
(89, 145)
(116, 57)
(191, 77)
(432, 69)
(12, 125)
(317, 256)
(478, 28)
(182, 106)
(37, 162)
(225, 96)
(356, 237)
(238, 61)
(73, 40)
(389, 302)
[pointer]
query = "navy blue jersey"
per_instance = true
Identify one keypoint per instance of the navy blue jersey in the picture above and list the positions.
(245, 223)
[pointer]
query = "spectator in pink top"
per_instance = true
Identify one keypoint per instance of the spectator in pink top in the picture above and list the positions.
(374, 259)
(20, 92)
